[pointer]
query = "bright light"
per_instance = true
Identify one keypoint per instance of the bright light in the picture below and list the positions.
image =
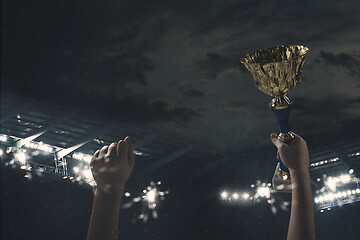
(345, 178)
(351, 171)
(315, 164)
(245, 196)
(87, 158)
(151, 195)
(82, 157)
(127, 194)
(224, 195)
(76, 170)
(40, 146)
(3, 138)
(235, 196)
(263, 192)
(20, 156)
(87, 174)
(331, 183)
(1, 152)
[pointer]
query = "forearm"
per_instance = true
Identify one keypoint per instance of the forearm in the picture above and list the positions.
(105, 216)
(301, 225)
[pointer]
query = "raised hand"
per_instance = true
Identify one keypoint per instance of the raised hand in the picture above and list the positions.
(112, 165)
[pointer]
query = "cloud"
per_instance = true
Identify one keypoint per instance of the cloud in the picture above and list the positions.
(247, 107)
(343, 60)
(215, 65)
(194, 93)
(327, 112)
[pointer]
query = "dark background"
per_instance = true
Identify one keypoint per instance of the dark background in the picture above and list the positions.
(173, 67)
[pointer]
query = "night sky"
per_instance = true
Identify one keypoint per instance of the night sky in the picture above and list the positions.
(174, 67)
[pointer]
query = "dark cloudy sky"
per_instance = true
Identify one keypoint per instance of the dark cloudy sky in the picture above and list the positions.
(173, 66)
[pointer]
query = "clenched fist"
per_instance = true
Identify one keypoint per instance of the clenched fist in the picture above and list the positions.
(112, 165)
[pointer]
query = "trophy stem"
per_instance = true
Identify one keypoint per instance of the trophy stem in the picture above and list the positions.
(280, 101)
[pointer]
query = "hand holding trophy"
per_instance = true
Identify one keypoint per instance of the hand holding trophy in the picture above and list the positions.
(276, 71)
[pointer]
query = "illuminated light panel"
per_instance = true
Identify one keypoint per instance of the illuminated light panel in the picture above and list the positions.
(39, 146)
(20, 156)
(245, 196)
(235, 196)
(320, 163)
(328, 200)
(3, 138)
(259, 192)
(138, 153)
(263, 192)
(333, 182)
(224, 195)
(1, 152)
(354, 154)
(82, 157)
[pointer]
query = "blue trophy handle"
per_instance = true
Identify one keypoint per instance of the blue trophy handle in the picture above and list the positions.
(282, 117)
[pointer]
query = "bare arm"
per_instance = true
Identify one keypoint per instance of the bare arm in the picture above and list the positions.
(295, 156)
(111, 167)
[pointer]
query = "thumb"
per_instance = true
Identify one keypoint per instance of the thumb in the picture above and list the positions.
(276, 141)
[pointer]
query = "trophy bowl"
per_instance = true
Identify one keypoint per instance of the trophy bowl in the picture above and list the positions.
(276, 71)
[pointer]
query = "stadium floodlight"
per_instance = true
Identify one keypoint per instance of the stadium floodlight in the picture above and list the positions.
(82, 157)
(20, 156)
(224, 195)
(323, 162)
(263, 192)
(151, 195)
(76, 169)
(235, 196)
(3, 138)
(245, 196)
(345, 178)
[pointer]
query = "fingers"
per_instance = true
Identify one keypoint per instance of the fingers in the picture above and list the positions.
(96, 154)
(94, 158)
(276, 141)
(122, 149)
(130, 152)
(112, 150)
(103, 150)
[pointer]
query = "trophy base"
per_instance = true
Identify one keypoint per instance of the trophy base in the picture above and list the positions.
(281, 183)
(286, 137)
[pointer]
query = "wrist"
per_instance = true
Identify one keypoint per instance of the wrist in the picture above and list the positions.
(299, 174)
(111, 191)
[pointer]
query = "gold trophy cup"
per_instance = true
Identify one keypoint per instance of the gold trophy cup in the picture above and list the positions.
(276, 71)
